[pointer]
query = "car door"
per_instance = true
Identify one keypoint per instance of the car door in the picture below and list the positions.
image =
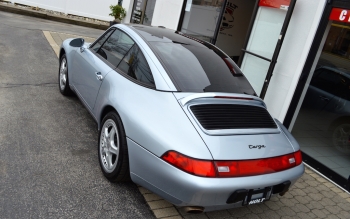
(322, 96)
(321, 90)
(338, 106)
(97, 61)
(89, 71)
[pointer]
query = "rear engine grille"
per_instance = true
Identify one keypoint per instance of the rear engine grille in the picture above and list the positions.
(232, 116)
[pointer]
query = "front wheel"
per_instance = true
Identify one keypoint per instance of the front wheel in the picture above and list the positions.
(63, 82)
(112, 149)
(341, 138)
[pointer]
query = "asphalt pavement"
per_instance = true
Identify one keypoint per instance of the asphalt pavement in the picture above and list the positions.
(48, 143)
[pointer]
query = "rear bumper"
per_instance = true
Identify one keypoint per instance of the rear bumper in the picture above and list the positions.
(183, 189)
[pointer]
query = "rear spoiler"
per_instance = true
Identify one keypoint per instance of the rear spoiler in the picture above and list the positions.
(183, 101)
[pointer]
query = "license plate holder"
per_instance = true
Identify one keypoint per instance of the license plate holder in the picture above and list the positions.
(256, 196)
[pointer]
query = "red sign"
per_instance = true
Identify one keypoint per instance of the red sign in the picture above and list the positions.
(339, 14)
(274, 3)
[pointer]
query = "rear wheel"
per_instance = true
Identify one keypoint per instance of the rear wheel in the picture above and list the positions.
(63, 82)
(341, 138)
(112, 149)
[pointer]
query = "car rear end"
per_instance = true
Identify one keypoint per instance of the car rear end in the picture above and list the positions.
(208, 193)
(253, 155)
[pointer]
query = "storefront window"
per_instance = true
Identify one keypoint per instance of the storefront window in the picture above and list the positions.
(201, 18)
(137, 12)
(143, 12)
(322, 127)
(147, 19)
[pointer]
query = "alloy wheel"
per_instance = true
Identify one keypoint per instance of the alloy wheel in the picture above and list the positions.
(341, 138)
(109, 146)
(63, 74)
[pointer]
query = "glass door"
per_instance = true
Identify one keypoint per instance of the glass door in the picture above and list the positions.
(322, 126)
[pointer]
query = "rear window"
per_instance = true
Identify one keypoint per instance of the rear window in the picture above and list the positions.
(201, 68)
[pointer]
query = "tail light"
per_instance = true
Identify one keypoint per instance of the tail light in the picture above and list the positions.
(237, 168)
(190, 165)
(298, 158)
(260, 166)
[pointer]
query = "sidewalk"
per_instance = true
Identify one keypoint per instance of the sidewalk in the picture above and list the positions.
(311, 197)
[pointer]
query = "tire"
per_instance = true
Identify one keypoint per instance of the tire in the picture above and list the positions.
(341, 138)
(113, 150)
(63, 82)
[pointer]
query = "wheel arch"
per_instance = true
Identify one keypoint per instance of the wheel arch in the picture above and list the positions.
(106, 109)
(62, 52)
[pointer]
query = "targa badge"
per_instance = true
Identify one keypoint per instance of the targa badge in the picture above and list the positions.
(256, 146)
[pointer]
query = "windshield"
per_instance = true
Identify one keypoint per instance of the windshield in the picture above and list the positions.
(201, 68)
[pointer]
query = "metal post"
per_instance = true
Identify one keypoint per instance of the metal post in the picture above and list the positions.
(250, 28)
(182, 15)
(278, 48)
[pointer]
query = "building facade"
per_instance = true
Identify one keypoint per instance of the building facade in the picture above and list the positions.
(307, 89)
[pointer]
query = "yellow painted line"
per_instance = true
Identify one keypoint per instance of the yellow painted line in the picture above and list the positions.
(73, 35)
(52, 42)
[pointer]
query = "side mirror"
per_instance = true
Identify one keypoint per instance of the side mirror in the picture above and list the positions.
(78, 42)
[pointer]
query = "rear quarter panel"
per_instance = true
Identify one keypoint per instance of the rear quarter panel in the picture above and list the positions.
(151, 118)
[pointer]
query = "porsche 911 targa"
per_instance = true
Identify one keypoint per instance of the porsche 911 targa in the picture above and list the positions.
(177, 116)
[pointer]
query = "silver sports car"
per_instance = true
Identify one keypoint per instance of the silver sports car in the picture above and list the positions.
(178, 117)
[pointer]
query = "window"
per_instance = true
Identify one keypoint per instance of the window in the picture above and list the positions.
(135, 65)
(115, 48)
(99, 43)
(138, 11)
(345, 90)
(198, 13)
(142, 12)
(201, 68)
(329, 81)
(147, 17)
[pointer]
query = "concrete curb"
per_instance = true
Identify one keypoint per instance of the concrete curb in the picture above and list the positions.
(39, 14)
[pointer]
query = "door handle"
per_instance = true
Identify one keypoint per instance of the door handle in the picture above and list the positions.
(82, 49)
(324, 98)
(99, 76)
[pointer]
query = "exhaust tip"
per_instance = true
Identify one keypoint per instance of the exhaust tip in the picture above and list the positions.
(194, 209)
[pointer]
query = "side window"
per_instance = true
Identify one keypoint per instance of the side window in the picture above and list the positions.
(344, 91)
(99, 43)
(328, 81)
(135, 65)
(116, 47)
